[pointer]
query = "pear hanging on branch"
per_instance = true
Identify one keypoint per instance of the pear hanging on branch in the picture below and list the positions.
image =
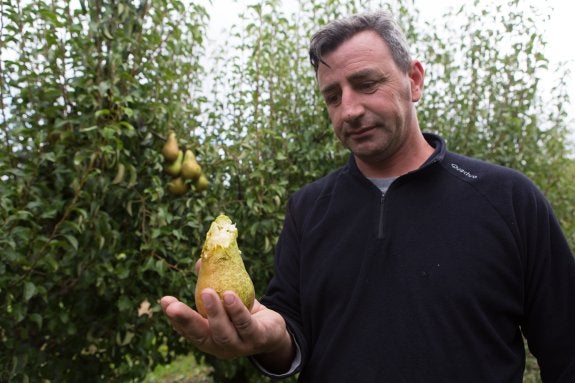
(178, 186)
(175, 168)
(183, 167)
(202, 183)
(171, 150)
(191, 170)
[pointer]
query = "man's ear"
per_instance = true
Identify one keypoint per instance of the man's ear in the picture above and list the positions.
(416, 75)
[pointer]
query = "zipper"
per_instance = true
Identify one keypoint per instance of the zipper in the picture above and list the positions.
(380, 225)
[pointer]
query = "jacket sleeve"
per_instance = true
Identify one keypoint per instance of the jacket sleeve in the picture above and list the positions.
(283, 290)
(549, 316)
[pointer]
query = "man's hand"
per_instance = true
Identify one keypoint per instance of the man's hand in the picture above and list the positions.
(231, 330)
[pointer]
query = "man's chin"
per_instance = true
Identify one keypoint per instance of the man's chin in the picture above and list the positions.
(370, 155)
(365, 151)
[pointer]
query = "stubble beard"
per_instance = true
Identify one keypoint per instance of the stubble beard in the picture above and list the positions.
(377, 147)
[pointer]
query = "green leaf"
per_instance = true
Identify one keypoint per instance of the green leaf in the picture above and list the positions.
(36, 318)
(122, 341)
(72, 240)
(125, 304)
(160, 267)
(29, 291)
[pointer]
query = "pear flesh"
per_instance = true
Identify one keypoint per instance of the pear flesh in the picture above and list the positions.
(222, 266)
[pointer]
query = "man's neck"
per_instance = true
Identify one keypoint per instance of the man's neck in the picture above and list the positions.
(406, 160)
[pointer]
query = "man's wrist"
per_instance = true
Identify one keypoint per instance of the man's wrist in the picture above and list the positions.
(282, 362)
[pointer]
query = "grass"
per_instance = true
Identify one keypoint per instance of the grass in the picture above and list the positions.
(184, 369)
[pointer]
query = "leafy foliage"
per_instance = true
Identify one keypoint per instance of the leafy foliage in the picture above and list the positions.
(90, 238)
(87, 231)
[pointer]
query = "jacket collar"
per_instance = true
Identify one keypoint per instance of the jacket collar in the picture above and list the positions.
(440, 148)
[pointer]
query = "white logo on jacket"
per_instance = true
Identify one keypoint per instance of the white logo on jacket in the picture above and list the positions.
(463, 171)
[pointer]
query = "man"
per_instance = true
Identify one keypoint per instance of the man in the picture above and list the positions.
(408, 264)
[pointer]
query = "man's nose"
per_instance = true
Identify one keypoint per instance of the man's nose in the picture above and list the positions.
(351, 106)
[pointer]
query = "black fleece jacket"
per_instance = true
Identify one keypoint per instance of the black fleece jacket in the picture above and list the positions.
(437, 281)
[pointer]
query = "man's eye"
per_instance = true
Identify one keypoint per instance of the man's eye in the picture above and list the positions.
(368, 86)
(331, 99)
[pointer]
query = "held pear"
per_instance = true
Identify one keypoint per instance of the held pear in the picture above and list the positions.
(175, 168)
(222, 266)
(190, 167)
(178, 186)
(170, 150)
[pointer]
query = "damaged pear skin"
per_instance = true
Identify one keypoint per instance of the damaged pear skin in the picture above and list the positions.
(222, 266)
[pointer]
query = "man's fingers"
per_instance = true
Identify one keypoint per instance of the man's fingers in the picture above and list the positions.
(229, 330)
(185, 321)
(238, 313)
(166, 301)
(247, 329)
(222, 330)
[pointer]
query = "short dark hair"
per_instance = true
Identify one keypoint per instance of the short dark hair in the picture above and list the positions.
(332, 35)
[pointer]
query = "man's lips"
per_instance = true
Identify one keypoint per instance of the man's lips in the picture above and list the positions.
(359, 132)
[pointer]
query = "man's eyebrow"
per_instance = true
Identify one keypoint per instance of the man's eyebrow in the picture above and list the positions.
(365, 73)
(329, 88)
(356, 76)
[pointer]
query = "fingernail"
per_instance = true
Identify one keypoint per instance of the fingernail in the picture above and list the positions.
(208, 301)
(229, 299)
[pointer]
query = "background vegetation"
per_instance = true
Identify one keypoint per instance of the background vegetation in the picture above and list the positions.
(90, 237)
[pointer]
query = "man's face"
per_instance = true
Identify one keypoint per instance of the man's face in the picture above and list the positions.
(369, 99)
